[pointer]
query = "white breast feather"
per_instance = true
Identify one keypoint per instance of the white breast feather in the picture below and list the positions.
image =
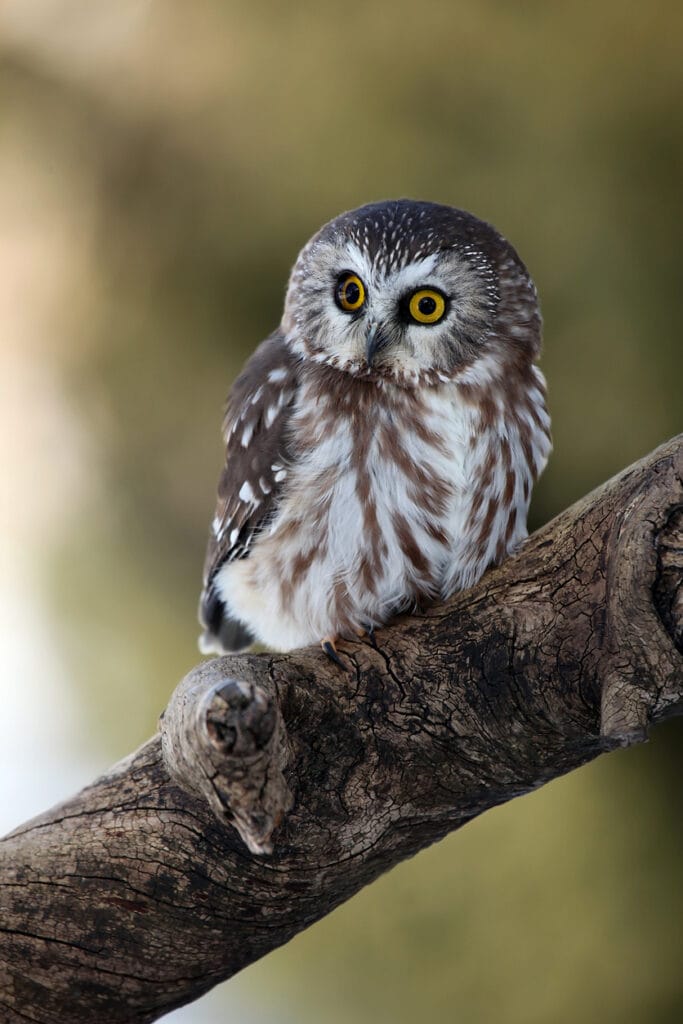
(321, 497)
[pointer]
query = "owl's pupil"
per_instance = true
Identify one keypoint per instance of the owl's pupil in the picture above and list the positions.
(426, 305)
(352, 293)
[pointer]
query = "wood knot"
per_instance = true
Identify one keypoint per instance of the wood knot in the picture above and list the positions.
(224, 739)
(240, 719)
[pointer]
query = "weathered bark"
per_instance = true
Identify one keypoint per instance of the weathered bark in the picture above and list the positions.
(136, 896)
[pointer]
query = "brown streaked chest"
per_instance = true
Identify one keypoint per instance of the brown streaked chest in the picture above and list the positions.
(366, 425)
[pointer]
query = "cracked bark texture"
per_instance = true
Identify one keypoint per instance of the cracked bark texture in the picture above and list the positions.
(279, 786)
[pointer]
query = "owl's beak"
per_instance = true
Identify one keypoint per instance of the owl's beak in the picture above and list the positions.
(375, 340)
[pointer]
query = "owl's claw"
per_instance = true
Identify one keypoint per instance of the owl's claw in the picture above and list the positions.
(370, 634)
(330, 650)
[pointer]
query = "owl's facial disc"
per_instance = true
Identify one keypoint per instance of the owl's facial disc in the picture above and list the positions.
(411, 292)
(404, 322)
(376, 318)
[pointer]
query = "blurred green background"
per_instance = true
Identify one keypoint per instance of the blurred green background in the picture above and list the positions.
(161, 163)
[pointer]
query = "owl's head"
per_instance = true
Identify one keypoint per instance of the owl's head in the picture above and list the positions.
(411, 291)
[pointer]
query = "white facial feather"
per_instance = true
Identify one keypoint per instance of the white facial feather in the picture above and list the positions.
(326, 333)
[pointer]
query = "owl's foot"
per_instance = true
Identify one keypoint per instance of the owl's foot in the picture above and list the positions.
(330, 648)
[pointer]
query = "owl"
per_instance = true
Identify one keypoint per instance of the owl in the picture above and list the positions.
(382, 443)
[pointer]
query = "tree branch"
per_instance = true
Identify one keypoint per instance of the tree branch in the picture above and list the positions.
(138, 895)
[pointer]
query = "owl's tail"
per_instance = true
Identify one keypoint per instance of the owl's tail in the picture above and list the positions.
(222, 634)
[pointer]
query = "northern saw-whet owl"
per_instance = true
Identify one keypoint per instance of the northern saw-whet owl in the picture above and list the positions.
(382, 443)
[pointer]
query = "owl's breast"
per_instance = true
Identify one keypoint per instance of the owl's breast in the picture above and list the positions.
(392, 497)
(365, 525)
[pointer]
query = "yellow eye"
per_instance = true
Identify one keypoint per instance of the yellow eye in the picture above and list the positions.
(350, 293)
(427, 306)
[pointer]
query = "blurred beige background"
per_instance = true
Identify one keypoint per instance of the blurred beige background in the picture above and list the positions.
(161, 163)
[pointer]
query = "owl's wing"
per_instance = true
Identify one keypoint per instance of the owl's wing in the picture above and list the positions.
(254, 430)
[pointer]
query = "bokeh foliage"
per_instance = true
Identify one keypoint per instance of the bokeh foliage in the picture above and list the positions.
(182, 154)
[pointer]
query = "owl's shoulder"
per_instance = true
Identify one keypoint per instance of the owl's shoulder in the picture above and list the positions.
(271, 370)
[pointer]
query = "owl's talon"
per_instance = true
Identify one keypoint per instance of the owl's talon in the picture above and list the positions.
(330, 650)
(370, 634)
